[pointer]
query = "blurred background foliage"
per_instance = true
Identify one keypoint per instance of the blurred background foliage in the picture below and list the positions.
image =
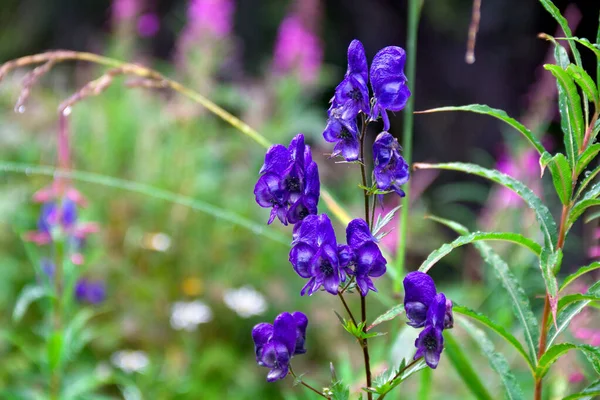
(250, 58)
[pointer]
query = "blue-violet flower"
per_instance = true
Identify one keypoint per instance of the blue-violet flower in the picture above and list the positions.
(390, 168)
(369, 262)
(430, 342)
(419, 293)
(275, 344)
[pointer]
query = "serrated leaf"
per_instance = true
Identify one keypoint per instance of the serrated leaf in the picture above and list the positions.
(584, 81)
(553, 353)
(586, 157)
(387, 316)
(569, 312)
(588, 393)
(575, 297)
(446, 248)
(547, 223)
(496, 113)
(571, 115)
(561, 177)
(564, 24)
(339, 391)
(497, 360)
(463, 367)
(382, 222)
(583, 270)
(519, 300)
(28, 296)
(589, 177)
(496, 328)
(579, 208)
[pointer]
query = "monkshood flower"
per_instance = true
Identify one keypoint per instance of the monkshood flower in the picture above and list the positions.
(390, 168)
(289, 182)
(275, 344)
(388, 81)
(352, 94)
(419, 294)
(314, 255)
(344, 133)
(91, 292)
(430, 342)
(369, 262)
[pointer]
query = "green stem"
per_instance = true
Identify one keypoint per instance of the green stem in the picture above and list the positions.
(55, 378)
(399, 373)
(306, 385)
(414, 11)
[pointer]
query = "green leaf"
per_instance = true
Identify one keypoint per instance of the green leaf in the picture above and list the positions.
(446, 248)
(575, 297)
(586, 157)
(592, 216)
(583, 270)
(570, 111)
(579, 208)
(28, 295)
(564, 24)
(566, 315)
(561, 177)
(339, 391)
(588, 393)
(547, 223)
(463, 367)
(382, 222)
(519, 300)
(387, 316)
(497, 360)
(500, 114)
(589, 177)
(55, 347)
(585, 82)
(550, 262)
(553, 353)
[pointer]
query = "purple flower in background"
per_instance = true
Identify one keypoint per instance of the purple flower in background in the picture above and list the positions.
(352, 94)
(275, 344)
(389, 83)
(314, 255)
(148, 25)
(297, 49)
(390, 170)
(289, 182)
(92, 292)
(212, 16)
(419, 293)
(430, 342)
(125, 9)
(369, 262)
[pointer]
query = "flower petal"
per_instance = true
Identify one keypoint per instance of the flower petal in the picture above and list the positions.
(419, 287)
(300, 257)
(284, 331)
(357, 233)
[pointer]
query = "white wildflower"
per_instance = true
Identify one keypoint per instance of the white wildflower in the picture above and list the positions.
(188, 315)
(130, 360)
(245, 301)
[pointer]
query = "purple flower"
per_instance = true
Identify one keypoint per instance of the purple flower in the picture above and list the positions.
(213, 16)
(314, 255)
(352, 94)
(148, 24)
(419, 293)
(430, 342)
(92, 292)
(369, 262)
(344, 133)
(389, 83)
(289, 182)
(275, 344)
(390, 168)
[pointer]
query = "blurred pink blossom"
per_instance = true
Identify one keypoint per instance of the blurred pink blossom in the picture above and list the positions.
(576, 377)
(125, 9)
(297, 48)
(148, 25)
(212, 16)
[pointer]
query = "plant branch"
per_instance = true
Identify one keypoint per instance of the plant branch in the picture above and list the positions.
(341, 296)
(399, 373)
(306, 385)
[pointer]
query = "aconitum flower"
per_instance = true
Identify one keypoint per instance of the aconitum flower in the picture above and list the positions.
(390, 170)
(344, 133)
(289, 182)
(419, 293)
(275, 344)
(352, 94)
(389, 83)
(369, 262)
(92, 292)
(430, 342)
(314, 255)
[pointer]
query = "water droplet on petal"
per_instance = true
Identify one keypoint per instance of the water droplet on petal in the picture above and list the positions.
(587, 173)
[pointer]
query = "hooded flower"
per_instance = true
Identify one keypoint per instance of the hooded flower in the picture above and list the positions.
(344, 133)
(352, 94)
(430, 342)
(390, 170)
(275, 344)
(368, 260)
(419, 293)
(389, 83)
(314, 255)
(289, 182)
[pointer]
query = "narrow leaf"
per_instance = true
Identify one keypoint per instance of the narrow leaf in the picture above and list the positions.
(586, 157)
(585, 82)
(496, 113)
(382, 222)
(28, 295)
(570, 108)
(547, 223)
(561, 177)
(55, 348)
(550, 262)
(553, 353)
(575, 297)
(564, 318)
(446, 248)
(387, 316)
(588, 393)
(497, 360)
(496, 328)
(583, 270)
(579, 208)
(564, 24)
(589, 177)
(463, 367)
(519, 300)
